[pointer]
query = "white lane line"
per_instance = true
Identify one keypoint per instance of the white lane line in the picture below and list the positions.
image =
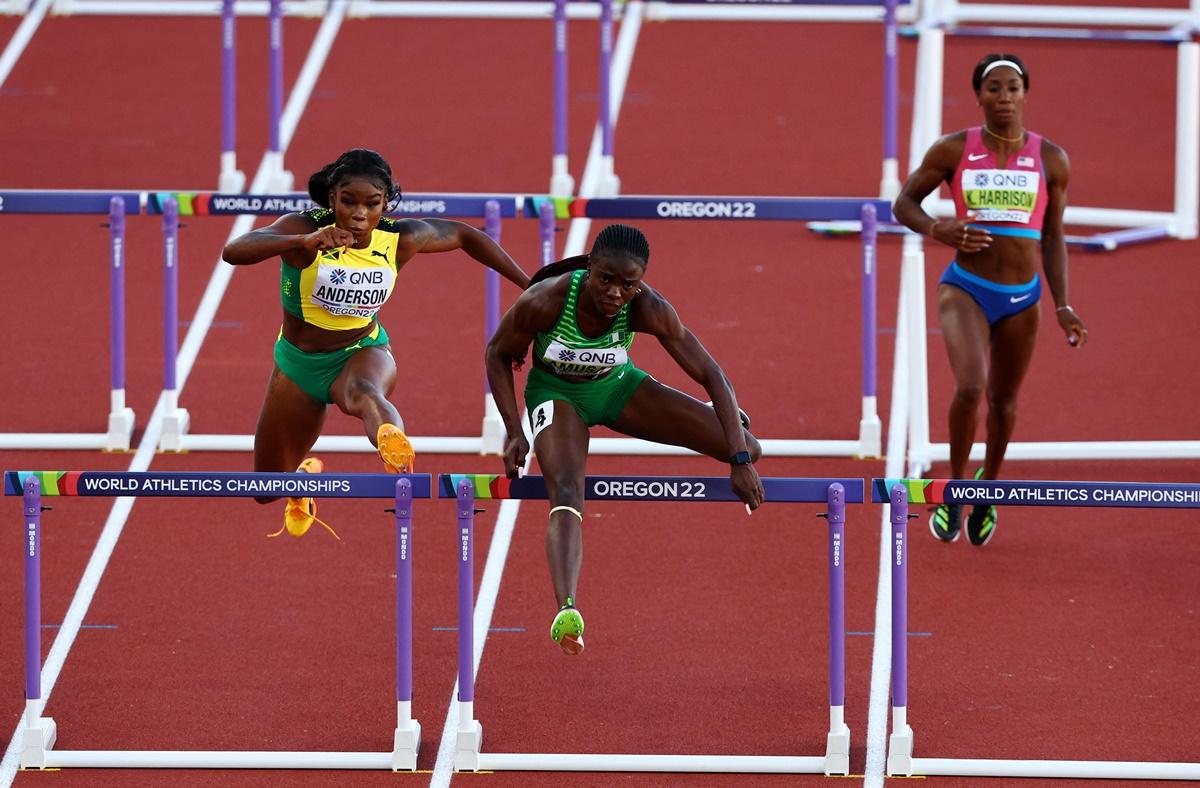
(142, 458)
(489, 584)
(16, 45)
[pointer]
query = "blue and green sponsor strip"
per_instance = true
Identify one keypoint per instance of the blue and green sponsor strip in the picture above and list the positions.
(1139, 495)
(653, 488)
(216, 485)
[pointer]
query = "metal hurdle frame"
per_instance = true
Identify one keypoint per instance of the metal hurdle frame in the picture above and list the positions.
(176, 436)
(1181, 223)
(835, 493)
(116, 205)
(39, 732)
(899, 492)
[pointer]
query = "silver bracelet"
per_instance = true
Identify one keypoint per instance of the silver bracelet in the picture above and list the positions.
(1064, 308)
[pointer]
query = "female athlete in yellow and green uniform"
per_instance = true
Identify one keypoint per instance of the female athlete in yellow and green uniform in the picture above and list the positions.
(580, 315)
(340, 263)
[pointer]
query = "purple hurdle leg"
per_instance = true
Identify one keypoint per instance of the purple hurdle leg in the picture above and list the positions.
(232, 179)
(546, 226)
(175, 420)
(609, 183)
(899, 761)
(120, 417)
(39, 732)
(870, 429)
(837, 745)
(470, 732)
(407, 740)
(561, 182)
(491, 439)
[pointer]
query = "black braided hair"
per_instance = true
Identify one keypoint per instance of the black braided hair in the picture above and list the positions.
(623, 239)
(987, 60)
(613, 239)
(563, 266)
(354, 163)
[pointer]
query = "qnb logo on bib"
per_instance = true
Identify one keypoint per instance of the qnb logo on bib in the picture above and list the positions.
(352, 292)
(1000, 195)
(584, 361)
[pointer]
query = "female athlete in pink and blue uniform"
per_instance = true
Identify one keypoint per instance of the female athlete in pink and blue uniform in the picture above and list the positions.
(1010, 189)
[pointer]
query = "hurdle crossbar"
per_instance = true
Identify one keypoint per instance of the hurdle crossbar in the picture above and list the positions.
(466, 489)
(40, 733)
(900, 493)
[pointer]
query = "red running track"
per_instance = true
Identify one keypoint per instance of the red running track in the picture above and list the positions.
(1070, 636)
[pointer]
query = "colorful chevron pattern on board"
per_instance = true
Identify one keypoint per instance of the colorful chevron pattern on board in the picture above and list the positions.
(918, 490)
(487, 485)
(51, 482)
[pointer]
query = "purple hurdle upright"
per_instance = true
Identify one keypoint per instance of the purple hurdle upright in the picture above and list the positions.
(231, 179)
(38, 732)
(870, 428)
(175, 419)
(837, 743)
(546, 228)
(561, 182)
(899, 759)
(492, 435)
(610, 184)
(279, 179)
(470, 730)
(120, 417)
(407, 740)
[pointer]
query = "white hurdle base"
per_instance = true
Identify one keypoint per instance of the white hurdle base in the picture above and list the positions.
(744, 764)
(214, 759)
(36, 742)
(1094, 770)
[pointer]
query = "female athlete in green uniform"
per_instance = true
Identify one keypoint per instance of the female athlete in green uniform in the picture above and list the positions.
(339, 267)
(580, 314)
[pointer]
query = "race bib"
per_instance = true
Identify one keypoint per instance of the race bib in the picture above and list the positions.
(353, 292)
(585, 361)
(1000, 195)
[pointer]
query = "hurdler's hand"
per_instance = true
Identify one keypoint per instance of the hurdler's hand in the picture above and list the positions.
(746, 484)
(328, 238)
(514, 455)
(1072, 326)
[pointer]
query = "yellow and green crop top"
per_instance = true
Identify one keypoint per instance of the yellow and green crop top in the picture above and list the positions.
(344, 287)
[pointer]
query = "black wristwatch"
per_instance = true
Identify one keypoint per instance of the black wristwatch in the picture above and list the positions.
(741, 458)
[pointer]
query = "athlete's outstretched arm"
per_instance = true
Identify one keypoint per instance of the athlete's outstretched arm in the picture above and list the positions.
(445, 235)
(533, 311)
(293, 237)
(652, 314)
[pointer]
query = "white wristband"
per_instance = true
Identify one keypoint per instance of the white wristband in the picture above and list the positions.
(1064, 308)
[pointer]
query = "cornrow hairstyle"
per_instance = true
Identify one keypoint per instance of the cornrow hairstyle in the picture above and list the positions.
(563, 266)
(987, 60)
(354, 163)
(623, 239)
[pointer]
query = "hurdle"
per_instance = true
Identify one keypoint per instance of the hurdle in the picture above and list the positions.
(899, 493)
(1180, 223)
(39, 733)
(750, 209)
(175, 436)
(116, 205)
(466, 489)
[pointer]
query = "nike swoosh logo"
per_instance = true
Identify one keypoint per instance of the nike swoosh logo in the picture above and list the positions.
(1016, 300)
(976, 156)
